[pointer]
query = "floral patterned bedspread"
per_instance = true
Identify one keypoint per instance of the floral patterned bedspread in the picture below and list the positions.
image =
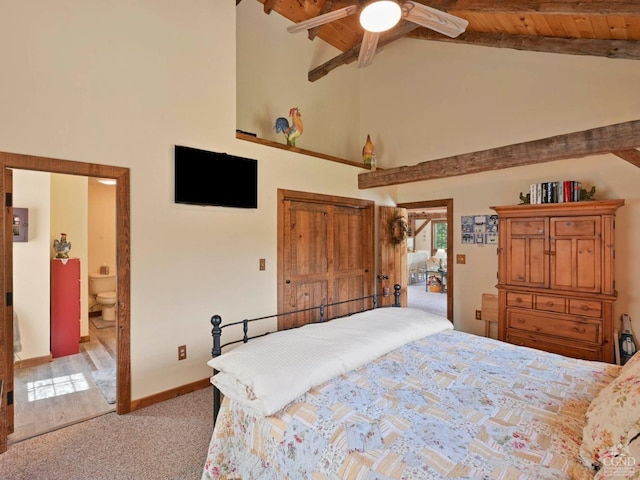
(452, 405)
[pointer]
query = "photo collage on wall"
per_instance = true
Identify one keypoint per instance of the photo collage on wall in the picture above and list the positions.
(479, 229)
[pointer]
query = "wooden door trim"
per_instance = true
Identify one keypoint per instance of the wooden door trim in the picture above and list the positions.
(448, 204)
(123, 251)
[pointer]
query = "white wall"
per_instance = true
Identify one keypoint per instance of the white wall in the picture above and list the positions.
(454, 99)
(450, 99)
(423, 100)
(121, 82)
(423, 239)
(101, 233)
(272, 71)
(31, 264)
(69, 214)
(474, 194)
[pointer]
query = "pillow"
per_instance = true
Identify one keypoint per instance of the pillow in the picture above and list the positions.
(613, 417)
(623, 464)
(631, 364)
(271, 371)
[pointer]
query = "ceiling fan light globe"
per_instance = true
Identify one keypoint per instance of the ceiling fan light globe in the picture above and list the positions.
(380, 15)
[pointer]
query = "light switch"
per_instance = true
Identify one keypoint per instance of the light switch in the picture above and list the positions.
(461, 258)
(263, 264)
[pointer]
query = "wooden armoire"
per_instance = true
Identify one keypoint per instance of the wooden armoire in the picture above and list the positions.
(556, 284)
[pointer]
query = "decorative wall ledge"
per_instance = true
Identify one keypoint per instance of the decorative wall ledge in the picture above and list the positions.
(250, 138)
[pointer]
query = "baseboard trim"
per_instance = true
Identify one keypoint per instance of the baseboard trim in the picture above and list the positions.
(32, 362)
(168, 394)
(86, 338)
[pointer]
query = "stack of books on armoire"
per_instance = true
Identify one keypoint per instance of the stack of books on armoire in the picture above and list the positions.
(555, 192)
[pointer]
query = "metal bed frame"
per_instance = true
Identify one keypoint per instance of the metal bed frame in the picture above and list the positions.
(216, 332)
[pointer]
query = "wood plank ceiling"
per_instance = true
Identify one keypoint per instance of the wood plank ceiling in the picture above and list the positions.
(583, 27)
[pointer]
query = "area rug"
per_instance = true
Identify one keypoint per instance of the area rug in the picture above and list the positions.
(98, 322)
(105, 380)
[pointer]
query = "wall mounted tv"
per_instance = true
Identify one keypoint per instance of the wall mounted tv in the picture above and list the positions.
(210, 178)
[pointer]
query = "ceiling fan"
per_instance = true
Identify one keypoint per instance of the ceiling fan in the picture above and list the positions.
(377, 16)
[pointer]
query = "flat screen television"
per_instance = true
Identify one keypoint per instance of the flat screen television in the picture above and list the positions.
(209, 178)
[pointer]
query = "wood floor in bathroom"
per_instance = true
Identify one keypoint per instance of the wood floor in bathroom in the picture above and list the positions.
(35, 416)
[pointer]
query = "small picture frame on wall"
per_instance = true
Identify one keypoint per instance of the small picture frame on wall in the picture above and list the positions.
(20, 224)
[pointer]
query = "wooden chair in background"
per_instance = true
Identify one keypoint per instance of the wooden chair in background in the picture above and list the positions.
(489, 312)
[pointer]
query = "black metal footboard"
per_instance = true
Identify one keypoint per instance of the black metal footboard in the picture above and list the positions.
(216, 332)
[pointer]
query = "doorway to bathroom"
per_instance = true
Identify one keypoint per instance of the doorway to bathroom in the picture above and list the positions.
(121, 332)
(64, 371)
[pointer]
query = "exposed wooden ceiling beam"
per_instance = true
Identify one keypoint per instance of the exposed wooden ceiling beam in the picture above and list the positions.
(628, 49)
(326, 8)
(552, 7)
(427, 216)
(608, 48)
(613, 138)
(268, 6)
(631, 156)
(352, 54)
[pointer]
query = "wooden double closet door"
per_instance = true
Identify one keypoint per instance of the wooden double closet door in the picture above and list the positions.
(325, 254)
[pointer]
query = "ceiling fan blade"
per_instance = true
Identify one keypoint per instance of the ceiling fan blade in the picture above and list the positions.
(322, 19)
(437, 20)
(368, 48)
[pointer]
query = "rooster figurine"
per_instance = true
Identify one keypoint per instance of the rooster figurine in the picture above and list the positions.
(293, 131)
(62, 246)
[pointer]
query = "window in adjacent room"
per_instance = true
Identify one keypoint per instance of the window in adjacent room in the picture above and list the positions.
(438, 235)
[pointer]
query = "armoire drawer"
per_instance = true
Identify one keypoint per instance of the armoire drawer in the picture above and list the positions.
(517, 299)
(556, 325)
(550, 304)
(549, 344)
(588, 308)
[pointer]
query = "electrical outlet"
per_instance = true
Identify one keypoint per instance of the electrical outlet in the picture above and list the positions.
(182, 352)
(478, 314)
(461, 258)
(263, 264)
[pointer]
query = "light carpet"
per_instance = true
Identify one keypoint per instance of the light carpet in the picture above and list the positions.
(418, 297)
(105, 380)
(166, 441)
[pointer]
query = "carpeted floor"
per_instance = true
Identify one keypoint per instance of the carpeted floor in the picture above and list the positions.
(418, 297)
(167, 441)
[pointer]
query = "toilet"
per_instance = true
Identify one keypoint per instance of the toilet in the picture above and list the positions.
(103, 288)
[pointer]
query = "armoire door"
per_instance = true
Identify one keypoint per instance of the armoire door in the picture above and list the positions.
(576, 257)
(527, 262)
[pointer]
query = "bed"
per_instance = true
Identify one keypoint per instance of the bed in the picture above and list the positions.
(398, 393)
